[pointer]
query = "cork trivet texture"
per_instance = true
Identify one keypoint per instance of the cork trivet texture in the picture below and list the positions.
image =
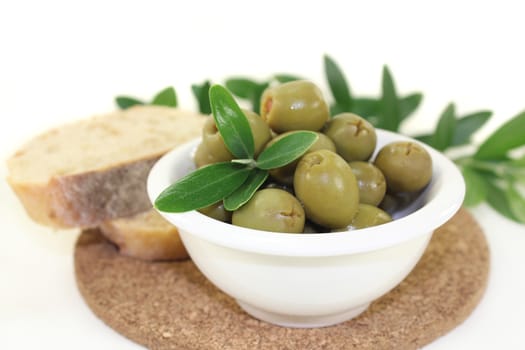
(173, 306)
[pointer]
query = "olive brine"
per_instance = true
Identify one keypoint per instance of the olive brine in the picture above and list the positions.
(335, 185)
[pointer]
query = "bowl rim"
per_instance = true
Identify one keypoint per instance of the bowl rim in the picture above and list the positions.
(445, 196)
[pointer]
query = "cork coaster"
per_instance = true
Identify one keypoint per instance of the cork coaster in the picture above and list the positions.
(173, 306)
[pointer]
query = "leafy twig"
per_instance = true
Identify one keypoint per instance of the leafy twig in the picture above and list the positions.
(236, 181)
(201, 94)
(165, 97)
(492, 172)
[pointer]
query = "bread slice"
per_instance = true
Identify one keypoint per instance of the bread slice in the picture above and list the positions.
(90, 171)
(145, 236)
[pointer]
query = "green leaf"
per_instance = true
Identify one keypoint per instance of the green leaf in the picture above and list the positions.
(370, 108)
(507, 137)
(408, 104)
(242, 87)
(336, 109)
(231, 123)
(286, 150)
(247, 89)
(390, 116)
(515, 168)
(426, 138)
(285, 78)
(203, 187)
(511, 170)
(243, 194)
(516, 203)
(519, 161)
(476, 187)
(337, 82)
(366, 106)
(497, 199)
(468, 125)
(201, 93)
(124, 102)
(445, 129)
(166, 97)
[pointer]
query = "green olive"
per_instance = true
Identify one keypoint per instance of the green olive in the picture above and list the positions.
(354, 137)
(285, 174)
(217, 148)
(217, 212)
(407, 166)
(372, 184)
(390, 203)
(327, 187)
(296, 105)
(271, 209)
(214, 143)
(312, 227)
(394, 202)
(278, 185)
(323, 142)
(260, 130)
(202, 156)
(368, 216)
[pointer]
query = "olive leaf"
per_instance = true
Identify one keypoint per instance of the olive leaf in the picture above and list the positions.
(125, 102)
(507, 137)
(464, 128)
(336, 109)
(243, 193)
(231, 123)
(516, 169)
(497, 199)
(166, 97)
(476, 188)
(468, 125)
(390, 114)
(203, 187)
(408, 104)
(512, 170)
(286, 78)
(201, 93)
(520, 162)
(426, 138)
(445, 129)
(370, 108)
(247, 89)
(286, 149)
(366, 106)
(496, 181)
(516, 203)
(241, 87)
(337, 82)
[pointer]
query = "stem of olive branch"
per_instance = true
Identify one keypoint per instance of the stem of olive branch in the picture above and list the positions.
(501, 170)
(251, 163)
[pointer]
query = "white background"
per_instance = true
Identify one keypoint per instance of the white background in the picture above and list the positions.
(61, 61)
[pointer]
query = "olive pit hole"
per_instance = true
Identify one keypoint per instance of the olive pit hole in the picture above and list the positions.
(268, 105)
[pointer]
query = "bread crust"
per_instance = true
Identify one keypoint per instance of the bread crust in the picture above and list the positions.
(146, 236)
(88, 198)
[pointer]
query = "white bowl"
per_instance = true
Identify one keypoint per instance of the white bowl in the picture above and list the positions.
(311, 280)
